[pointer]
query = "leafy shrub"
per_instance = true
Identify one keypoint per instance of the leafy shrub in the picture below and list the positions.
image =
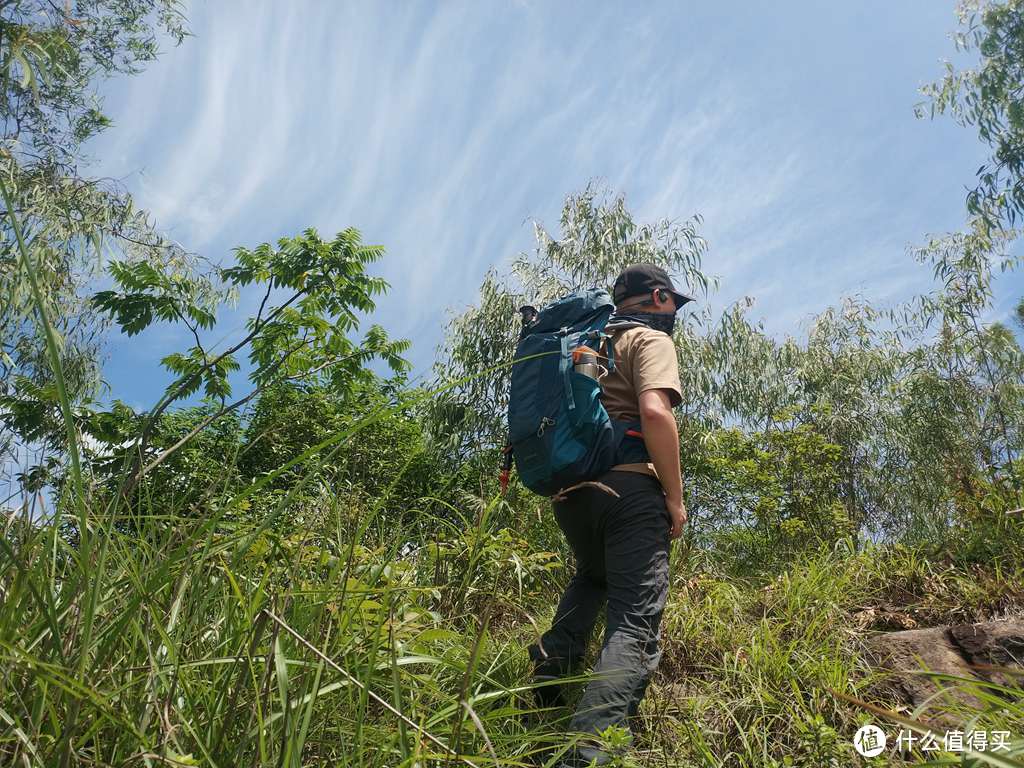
(761, 499)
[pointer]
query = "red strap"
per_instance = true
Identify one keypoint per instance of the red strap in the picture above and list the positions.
(633, 433)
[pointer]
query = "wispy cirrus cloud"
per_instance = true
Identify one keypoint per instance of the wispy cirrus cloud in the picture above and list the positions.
(439, 129)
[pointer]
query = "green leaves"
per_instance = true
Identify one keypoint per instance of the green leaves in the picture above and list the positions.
(50, 62)
(782, 488)
(990, 98)
(305, 334)
(150, 293)
(310, 329)
(302, 336)
(333, 272)
(197, 369)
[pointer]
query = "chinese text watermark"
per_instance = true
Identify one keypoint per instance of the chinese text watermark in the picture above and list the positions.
(870, 741)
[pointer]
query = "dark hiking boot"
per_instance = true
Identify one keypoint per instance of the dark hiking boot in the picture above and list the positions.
(585, 757)
(546, 671)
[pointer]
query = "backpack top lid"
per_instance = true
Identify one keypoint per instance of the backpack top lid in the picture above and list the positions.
(590, 308)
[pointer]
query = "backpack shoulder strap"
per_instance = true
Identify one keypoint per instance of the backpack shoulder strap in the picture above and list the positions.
(609, 348)
(564, 368)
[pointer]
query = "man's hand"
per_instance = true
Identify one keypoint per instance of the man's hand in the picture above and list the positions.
(678, 512)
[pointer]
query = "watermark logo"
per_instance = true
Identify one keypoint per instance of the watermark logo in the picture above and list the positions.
(869, 740)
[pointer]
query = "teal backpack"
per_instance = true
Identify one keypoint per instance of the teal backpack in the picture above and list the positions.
(559, 431)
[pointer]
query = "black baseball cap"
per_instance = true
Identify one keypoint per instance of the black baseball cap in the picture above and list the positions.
(641, 279)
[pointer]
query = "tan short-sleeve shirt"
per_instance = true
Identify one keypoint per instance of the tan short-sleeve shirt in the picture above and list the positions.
(644, 359)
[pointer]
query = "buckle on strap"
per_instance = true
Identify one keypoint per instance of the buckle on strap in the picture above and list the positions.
(609, 345)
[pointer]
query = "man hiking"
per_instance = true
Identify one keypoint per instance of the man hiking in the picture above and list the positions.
(619, 526)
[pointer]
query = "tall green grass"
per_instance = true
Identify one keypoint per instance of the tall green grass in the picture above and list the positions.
(210, 641)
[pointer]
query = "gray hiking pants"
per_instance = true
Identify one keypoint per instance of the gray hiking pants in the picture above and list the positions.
(621, 547)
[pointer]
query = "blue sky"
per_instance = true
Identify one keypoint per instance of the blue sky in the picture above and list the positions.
(439, 129)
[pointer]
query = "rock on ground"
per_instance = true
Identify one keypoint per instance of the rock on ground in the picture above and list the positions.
(980, 651)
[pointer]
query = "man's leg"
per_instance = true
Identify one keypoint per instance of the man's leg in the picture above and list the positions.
(562, 648)
(636, 569)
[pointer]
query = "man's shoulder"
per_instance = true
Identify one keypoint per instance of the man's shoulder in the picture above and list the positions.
(635, 333)
(641, 335)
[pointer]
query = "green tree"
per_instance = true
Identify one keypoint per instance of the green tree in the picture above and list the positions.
(53, 57)
(202, 470)
(300, 334)
(923, 399)
(920, 402)
(774, 493)
(388, 459)
(989, 97)
(984, 358)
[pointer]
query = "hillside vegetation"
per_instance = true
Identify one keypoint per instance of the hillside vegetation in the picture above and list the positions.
(322, 570)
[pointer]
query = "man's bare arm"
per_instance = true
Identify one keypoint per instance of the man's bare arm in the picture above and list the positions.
(662, 440)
